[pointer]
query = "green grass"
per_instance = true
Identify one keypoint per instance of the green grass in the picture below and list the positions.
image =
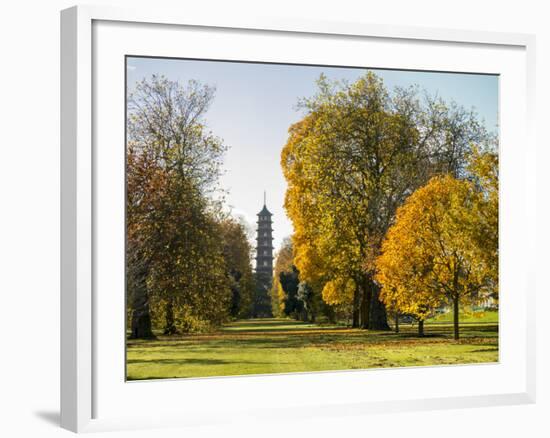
(265, 346)
(468, 317)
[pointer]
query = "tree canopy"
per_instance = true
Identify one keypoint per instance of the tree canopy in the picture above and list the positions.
(188, 264)
(357, 154)
(442, 247)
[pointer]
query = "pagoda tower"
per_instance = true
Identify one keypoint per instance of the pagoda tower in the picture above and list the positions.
(264, 262)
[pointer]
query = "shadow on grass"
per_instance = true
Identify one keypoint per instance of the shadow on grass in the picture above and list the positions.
(298, 341)
(267, 322)
(193, 361)
(276, 328)
(272, 334)
(485, 350)
(255, 342)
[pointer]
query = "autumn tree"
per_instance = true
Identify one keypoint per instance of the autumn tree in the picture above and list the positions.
(319, 251)
(289, 282)
(174, 259)
(350, 162)
(189, 286)
(282, 277)
(339, 294)
(432, 254)
(483, 172)
(166, 119)
(237, 258)
(146, 184)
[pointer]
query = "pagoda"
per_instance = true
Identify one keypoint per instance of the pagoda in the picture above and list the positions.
(264, 263)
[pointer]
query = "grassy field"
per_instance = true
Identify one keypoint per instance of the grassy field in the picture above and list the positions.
(265, 346)
(468, 316)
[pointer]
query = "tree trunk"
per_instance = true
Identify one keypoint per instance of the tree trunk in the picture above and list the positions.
(420, 327)
(365, 305)
(378, 318)
(141, 318)
(331, 314)
(396, 322)
(455, 316)
(170, 326)
(137, 272)
(355, 314)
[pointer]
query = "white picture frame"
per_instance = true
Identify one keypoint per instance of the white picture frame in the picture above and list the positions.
(83, 376)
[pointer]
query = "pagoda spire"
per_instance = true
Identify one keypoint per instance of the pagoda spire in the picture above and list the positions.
(264, 262)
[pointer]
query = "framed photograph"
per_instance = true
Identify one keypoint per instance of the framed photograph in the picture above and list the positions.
(342, 211)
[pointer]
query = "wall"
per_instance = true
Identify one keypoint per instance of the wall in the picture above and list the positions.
(29, 231)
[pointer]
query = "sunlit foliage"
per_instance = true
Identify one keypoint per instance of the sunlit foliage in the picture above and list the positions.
(356, 155)
(439, 251)
(188, 265)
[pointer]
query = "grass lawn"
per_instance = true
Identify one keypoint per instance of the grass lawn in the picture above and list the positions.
(468, 316)
(264, 346)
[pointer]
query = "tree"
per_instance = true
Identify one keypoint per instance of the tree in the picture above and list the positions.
(306, 297)
(237, 257)
(483, 172)
(431, 254)
(320, 251)
(165, 119)
(283, 262)
(286, 284)
(339, 291)
(350, 162)
(174, 259)
(289, 282)
(189, 278)
(145, 185)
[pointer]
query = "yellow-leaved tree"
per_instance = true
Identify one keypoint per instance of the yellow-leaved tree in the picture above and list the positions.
(483, 170)
(359, 151)
(283, 264)
(433, 255)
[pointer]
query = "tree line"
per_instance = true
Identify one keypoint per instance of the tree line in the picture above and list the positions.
(188, 263)
(394, 201)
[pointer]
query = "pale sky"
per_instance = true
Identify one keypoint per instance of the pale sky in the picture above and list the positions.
(255, 104)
